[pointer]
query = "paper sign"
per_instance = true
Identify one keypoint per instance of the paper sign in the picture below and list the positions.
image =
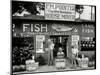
(39, 43)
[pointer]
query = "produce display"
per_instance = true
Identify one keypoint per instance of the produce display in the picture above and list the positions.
(88, 45)
(21, 53)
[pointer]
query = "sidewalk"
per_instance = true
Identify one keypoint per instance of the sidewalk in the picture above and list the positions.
(47, 68)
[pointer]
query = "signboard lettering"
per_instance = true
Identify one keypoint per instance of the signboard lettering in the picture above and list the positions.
(35, 27)
(59, 12)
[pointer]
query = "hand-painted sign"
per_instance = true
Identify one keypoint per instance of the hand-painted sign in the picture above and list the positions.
(62, 27)
(35, 27)
(59, 12)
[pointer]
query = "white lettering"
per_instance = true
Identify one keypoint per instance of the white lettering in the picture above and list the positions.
(31, 27)
(37, 29)
(43, 27)
(13, 27)
(25, 26)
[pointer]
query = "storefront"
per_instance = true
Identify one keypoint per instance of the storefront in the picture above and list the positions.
(63, 34)
(38, 26)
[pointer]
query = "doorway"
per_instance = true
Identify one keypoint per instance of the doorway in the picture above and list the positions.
(60, 41)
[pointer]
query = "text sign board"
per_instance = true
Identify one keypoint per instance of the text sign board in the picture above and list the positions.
(74, 42)
(39, 43)
(59, 12)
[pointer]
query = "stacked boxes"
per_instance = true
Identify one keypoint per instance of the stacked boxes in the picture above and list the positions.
(31, 65)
